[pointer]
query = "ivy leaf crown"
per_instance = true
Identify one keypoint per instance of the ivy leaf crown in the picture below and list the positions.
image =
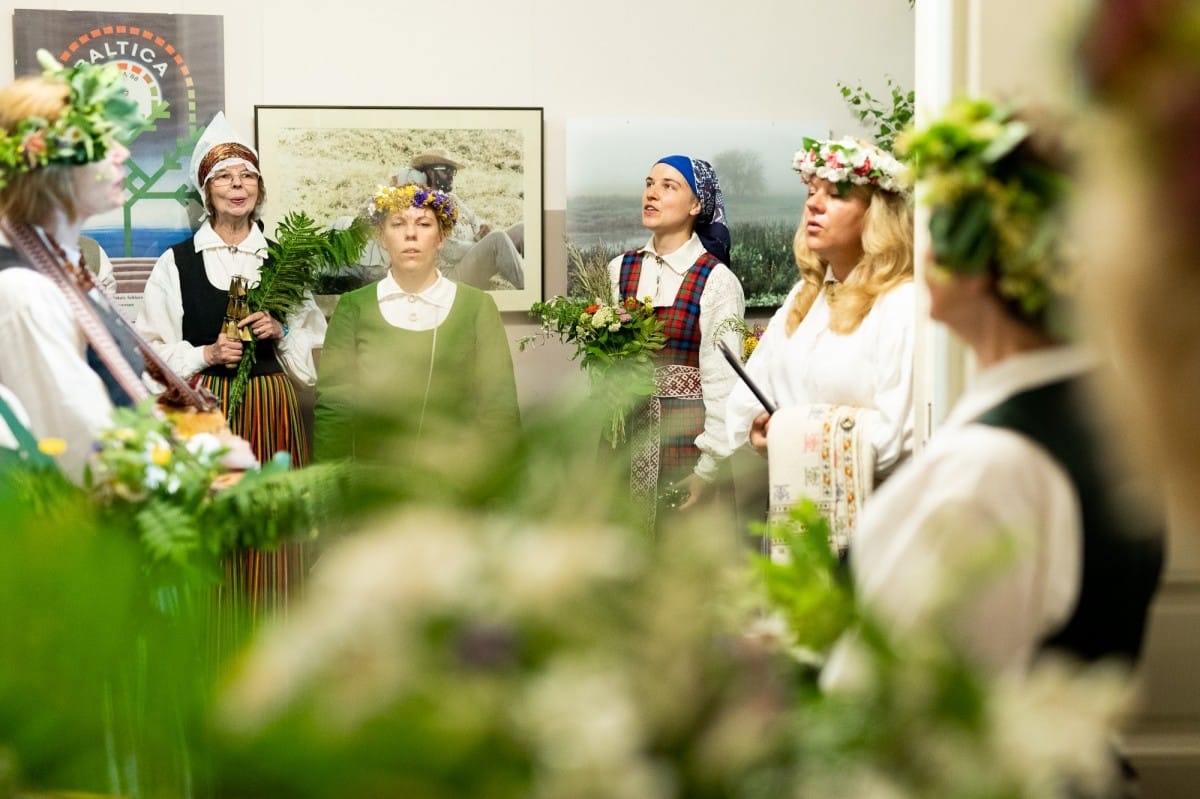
(997, 194)
(99, 111)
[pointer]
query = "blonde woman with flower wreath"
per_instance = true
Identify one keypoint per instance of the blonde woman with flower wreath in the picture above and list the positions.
(414, 359)
(1017, 495)
(844, 334)
(679, 443)
(67, 355)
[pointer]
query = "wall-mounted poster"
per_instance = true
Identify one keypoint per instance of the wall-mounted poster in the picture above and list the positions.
(175, 68)
(327, 161)
(608, 160)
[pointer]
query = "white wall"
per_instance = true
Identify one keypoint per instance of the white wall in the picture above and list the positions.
(764, 59)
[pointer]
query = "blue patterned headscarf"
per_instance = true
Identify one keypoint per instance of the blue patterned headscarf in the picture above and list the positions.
(710, 224)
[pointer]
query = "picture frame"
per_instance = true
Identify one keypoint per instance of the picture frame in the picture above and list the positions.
(608, 159)
(327, 161)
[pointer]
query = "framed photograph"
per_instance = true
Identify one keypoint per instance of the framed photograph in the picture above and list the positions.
(608, 159)
(327, 161)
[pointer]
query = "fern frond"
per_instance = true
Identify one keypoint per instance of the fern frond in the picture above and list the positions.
(273, 504)
(301, 253)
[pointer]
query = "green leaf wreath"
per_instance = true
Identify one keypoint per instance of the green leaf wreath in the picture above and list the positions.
(996, 203)
(302, 253)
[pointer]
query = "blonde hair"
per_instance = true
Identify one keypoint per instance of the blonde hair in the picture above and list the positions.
(34, 197)
(887, 262)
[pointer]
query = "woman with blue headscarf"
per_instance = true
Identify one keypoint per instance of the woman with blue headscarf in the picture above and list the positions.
(680, 437)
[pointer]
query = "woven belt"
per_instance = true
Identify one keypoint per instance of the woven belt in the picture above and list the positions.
(670, 382)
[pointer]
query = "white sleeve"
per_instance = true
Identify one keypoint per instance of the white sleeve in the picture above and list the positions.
(614, 278)
(468, 220)
(160, 320)
(43, 363)
(981, 538)
(892, 353)
(743, 407)
(306, 330)
(721, 301)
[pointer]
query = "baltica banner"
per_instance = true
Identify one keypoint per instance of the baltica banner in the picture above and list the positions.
(174, 66)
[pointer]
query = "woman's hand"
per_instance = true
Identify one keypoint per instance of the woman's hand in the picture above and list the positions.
(263, 325)
(697, 487)
(224, 350)
(758, 432)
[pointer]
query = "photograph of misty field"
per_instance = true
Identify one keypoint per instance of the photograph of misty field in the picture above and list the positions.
(608, 160)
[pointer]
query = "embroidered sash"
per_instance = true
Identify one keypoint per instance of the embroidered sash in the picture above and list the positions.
(822, 453)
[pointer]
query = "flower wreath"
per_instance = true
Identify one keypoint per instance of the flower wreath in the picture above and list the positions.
(847, 161)
(98, 112)
(388, 199)
(995, 203)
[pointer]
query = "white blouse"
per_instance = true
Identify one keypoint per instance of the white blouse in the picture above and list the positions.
(721, 300)
(43, 363)
(985, 519)
(870, 367)
(424, 310)
(161, 319)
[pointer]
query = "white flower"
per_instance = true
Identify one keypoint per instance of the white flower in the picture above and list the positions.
(205, 446)
(838, 160)
(155, 476)
(537, 569)
(347, 644)
(603, 317)
(582, 713)
(1058, 722)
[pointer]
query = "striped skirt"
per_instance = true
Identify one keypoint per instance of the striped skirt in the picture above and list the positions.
(259, 583)
(268, 417)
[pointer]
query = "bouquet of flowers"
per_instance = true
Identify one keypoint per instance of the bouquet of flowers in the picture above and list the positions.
(613, 343)
(193, 497)
(751, 334)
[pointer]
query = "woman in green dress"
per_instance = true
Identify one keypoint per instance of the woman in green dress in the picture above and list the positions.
(416, 368)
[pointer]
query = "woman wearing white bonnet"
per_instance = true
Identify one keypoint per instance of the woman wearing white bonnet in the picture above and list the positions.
(187, 294)
(185, 303)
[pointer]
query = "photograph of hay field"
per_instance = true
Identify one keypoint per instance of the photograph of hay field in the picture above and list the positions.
(327, 161)
(331, 172)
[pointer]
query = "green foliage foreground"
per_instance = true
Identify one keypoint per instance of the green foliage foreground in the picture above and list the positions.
(492, 622)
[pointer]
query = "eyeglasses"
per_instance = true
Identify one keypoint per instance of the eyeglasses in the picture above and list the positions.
(224, 179)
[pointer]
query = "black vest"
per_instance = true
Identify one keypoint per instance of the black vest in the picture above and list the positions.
(1122, 550)
(117, 327)
(204, 310)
